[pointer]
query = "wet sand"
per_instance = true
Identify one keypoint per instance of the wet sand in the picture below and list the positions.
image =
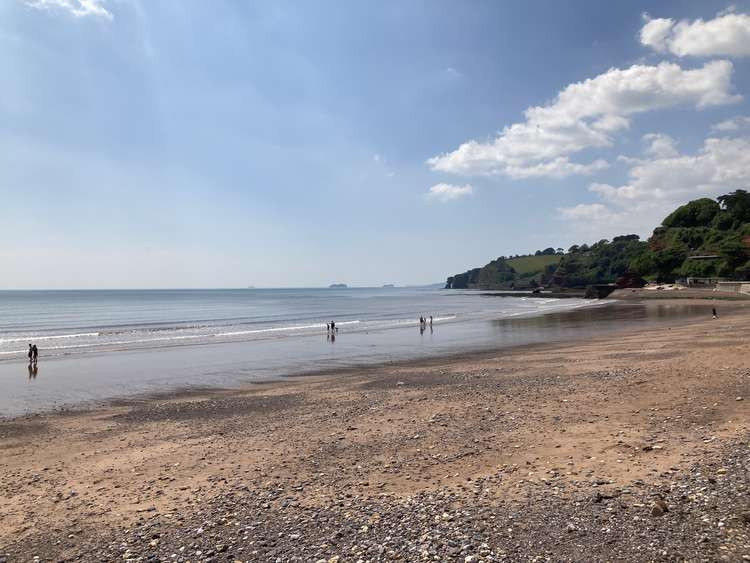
(626, 446)
(78, 380)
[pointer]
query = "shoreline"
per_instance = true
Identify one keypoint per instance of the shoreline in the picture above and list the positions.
(439, 356)
(565, 444)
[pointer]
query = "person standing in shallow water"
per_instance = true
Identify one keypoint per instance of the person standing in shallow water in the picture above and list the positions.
(35, 352)
(31, 353)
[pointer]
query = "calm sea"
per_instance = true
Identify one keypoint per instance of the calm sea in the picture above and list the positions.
(98, 345)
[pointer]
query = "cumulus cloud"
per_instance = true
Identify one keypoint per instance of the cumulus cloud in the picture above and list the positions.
(732, 124)
(78, 8)
(658, 184)
(586, 115)
(660, 145)
(559, 167)
(728, 34)
(449, 192)
(586, 212)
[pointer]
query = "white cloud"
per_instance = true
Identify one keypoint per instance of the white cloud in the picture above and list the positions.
(78, 8)
(728, 34)
(659, 184)
(728, 10)
(655, 32)
(559, 167)
(585, 115)
(660, 145)
(732, 124)
(449, 192)
(586, 212)
(451, 72)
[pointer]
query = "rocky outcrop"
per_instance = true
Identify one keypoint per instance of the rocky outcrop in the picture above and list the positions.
(629, 280)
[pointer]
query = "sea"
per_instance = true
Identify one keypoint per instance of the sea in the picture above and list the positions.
(99, 345)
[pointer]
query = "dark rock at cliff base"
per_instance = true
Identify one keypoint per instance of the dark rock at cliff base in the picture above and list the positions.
(599, 291)
(628, 280)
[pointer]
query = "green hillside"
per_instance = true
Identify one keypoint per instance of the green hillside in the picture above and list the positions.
(703, 238)
(532, 264)
(518, 272)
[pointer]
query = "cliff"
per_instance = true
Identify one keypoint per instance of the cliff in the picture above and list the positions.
(704, 238)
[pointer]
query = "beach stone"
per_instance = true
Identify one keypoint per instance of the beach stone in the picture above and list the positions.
(659, 508)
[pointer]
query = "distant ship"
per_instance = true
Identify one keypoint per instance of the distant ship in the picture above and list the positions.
(338, 286)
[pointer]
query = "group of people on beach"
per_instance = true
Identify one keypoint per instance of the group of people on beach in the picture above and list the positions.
(423, 324)
(33, 353)
(332, 331)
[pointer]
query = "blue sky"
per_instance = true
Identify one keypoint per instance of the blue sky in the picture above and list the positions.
(229, 143)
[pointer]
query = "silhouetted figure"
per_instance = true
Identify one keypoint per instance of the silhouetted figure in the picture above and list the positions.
(31, 353)
(35, 352)
(333, 326)
(714, 312)
(430, 321)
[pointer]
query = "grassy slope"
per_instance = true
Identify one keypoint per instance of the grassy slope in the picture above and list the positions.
(528, 264)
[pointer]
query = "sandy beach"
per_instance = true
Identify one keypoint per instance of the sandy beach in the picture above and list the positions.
(629, 446)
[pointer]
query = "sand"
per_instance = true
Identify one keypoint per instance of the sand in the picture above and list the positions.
(567, 445)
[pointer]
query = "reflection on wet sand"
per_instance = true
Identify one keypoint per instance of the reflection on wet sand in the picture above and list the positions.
(593, 318)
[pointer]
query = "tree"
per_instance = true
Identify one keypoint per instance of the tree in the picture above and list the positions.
(737, 204)
(697, 213)
(495, 274)
(734, 254)
(666, 262)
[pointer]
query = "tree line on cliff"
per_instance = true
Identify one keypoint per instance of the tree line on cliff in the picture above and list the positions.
(703, 238)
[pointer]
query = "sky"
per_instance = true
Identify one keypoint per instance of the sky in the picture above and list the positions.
(184, 143)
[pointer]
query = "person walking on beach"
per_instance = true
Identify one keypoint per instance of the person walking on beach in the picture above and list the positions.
(35, 353)
(31, 353)
(430, 321)
(714, 312)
